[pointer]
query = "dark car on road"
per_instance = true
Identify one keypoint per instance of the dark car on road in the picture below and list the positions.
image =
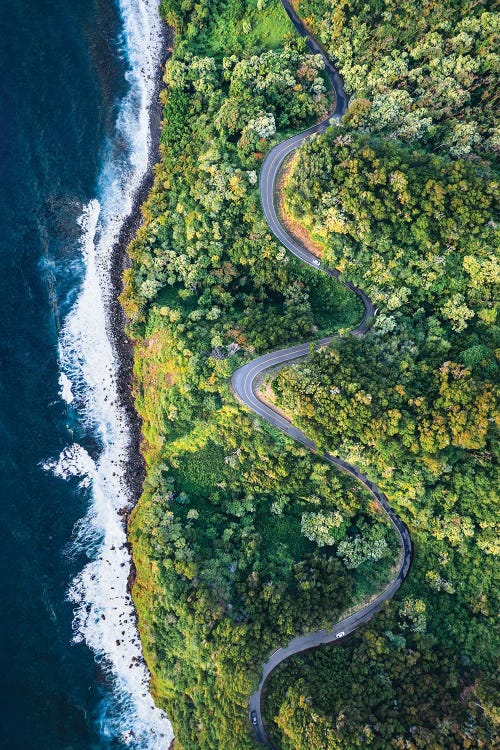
(253, 717)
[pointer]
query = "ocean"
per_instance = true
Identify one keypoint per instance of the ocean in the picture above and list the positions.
(76, 83)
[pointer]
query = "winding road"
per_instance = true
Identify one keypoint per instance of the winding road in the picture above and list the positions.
(244, 384)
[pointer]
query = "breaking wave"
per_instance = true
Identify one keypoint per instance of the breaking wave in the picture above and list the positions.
(104, 615)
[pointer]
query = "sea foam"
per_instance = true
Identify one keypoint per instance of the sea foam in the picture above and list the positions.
(104, 614)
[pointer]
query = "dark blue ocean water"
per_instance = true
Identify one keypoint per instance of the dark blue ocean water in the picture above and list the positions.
(62, 78)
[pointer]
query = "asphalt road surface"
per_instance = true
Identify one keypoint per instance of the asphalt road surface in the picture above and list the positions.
(244, 382)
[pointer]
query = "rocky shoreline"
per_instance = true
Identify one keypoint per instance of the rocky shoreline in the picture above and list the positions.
(122, 344)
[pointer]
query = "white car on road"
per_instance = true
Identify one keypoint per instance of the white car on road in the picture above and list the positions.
(341, 634)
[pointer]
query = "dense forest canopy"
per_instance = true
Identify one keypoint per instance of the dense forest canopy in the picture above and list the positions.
(388, 682)
(417, 71)
(243, 539)
(403, 199)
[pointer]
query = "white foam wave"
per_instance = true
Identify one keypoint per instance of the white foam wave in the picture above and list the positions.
(104, 613)
(74, 461)
(66, 391)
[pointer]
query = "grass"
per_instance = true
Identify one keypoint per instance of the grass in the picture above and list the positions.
(272, 26)
(256, 32)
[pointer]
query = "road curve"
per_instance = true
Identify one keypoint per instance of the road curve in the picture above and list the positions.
(244, 385)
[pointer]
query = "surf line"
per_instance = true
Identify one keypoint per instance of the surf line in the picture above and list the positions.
(104, 616)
